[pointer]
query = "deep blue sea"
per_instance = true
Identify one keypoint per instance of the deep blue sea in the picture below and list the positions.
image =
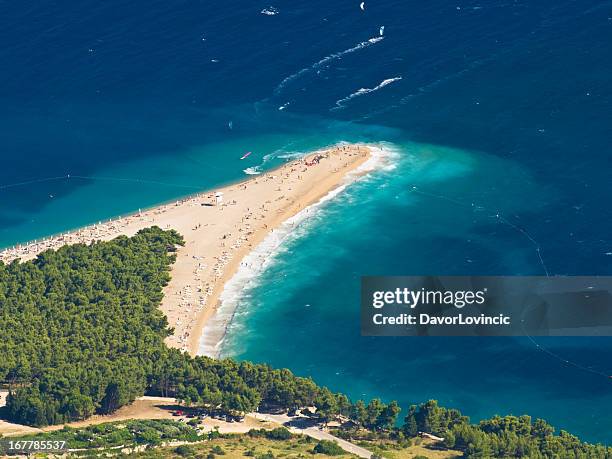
(501, 107)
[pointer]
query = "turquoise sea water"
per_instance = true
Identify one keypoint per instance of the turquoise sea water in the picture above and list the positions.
(303, 312)
(41, 204)
(492, 108)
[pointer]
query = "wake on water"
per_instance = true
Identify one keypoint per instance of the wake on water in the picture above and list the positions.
(363, 91)
(325, 60)
(281, 153)
(270, 11)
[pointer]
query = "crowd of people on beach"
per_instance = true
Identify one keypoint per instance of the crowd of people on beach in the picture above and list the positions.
(193, 296)
(86, 235)
(194, 300)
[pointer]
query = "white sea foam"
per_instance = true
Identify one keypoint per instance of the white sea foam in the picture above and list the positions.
(254, 170)
(383, 157)
(340, 103)
(295, 154)
(270, 11)
(325, 60)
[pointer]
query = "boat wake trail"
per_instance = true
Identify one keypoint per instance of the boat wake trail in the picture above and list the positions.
(364, 44)
(280, 153)
(363, 91)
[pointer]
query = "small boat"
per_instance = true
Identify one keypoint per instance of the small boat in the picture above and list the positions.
(246, 155)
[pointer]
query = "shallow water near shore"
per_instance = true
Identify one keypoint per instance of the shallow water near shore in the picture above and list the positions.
(41, 205)
(497, 107)
(442, 206)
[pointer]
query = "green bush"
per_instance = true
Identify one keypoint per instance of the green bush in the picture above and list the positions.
(148, 436)
(329, 448)
(184, 450)
(119, 433)
(280, 433)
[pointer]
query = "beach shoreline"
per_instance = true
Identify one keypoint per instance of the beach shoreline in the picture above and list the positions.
(355, 156)
(215, 328)
(220, 227)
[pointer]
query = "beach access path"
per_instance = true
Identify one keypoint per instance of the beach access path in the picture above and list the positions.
(305, 426)
(163, 407)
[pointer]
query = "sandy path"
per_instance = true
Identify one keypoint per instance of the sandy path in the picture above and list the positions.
(163, 407)
(306, 426)
(144, 408)
(217, 237)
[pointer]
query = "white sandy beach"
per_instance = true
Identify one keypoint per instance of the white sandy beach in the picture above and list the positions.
(218, 237)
